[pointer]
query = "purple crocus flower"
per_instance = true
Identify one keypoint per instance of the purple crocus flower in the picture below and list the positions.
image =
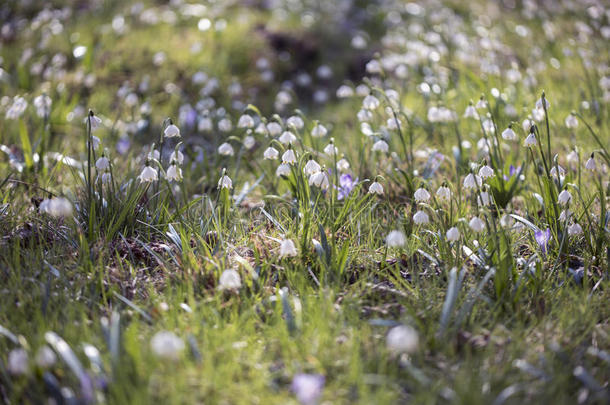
(346, 185)
(308, 388)
(512, 170)
(543, 238)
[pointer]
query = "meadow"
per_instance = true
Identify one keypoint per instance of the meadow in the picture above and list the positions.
(305, 202)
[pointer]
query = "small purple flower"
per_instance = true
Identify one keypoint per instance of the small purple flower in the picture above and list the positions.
(543, 238)
(512, 170)
(346, 185)
(122, 146)
(308, 387)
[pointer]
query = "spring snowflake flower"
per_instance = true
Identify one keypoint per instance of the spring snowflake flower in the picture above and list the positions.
(472, 181)
(380, 146)
(574, 229)
(571, 121)
(421, 195)
(319, 131)
(486, 172)
(370, 102)
(471, 112)
(421, 218)
(287, 248)
(57, 207)
(245, 121)
(177, 157)
(16, 109)
(166, 345)
(572, 157)
(102, 163)
(171, 131)
(148, 175)
(564, 197)
(345, 91)
(331, 149)
(443, 193)
(271, 153)
(508, 134)
(402, 339)
(43, 105)
(477, 224)
(557, 169)
(295, 122)
(543, 104)
(537, 114)
(282, 170)
(342, 165)
(249, 142)
(590, 164)
(311, 167)
(96, 122)
(364, 115)
(226, 149)
(376, 188)
(396, 239)
(274, 129)
(45, 357)
(527, 124)
(225, 182)
(17, 362)
(481, 103)
(484, 198)
(453, 234)
(319, 179)
(287, 138)
(530, 140)
(289, 157)
(225, 125)
(489, 127)
(174, 173)
(565, 215)
(229, 280)
(308, 388)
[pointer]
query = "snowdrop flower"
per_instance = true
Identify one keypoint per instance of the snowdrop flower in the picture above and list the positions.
(271, 153)
(472, 181)
(319, 179)
(342, 165)
(174, 173)
(364, 115)
(295, 122)
(94, 121)
(148, 175)
(166, 345)
(376, 188)
(396, 239)
(17, 362)
(289, 157)
(43, 105)
(574, 229)
(282, 170)
(171, 131)
(543, 103)
(311, 167)
(225, 125)
(380, 146)
(508, 134)
(319, 131)
(421, 218)
(557, 169)
(45, 357)
(443, 193)
(571, 121)
(453, 234)
(564, 197)
(57, 207)
(245, 121)
(537, 114)
(226, 149)
(308, 388)
(229, 280)
(486, 171)
(402, 339)
(370, 102)
(476, 224)
(274, 129)
(249, 142)
(331, 149)
(471, 112)
(177, 157)
(287, 249)
(225, 182)
(481, 103)
(590, 164)
(421, 195)
(530, 140)
(287, 138)
(102, 163)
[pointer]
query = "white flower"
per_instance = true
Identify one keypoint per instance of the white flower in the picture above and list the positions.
(489, 127)
(472, 181)
(295, 121)
(370, 102)
(173, 173)
(274, 129)
(557, 169)
(443, 193)
(481, 103)
(572, 157)
(402, 339)
(364, 115)
(225, 182)
(330, 149)
(287, 138)
(282, 170)
(396, 239)
(590, 164)
(486, 172)
(17, 362)
(249, 142)
(574, 229)
(171, 131)
(530, 140)
(509, 134)
(166, 345)
(565, 215)
(542, 103)
(229, 280)
(148, 175)
(376, 188)
(527, 124)
(106, 178)
(43, 105)
(154, 155)
(421, 194)
(471, 112)
(344, 91)
(537, 114)
(311, 167)
(476, 224)
(102, 163)
(95, 142)
(245, 121)
(95, 121)
(380, 146)
(319, 131)
(484, 198)
(289, 157)
(319, 179)
(342, 165)
(271, 153)
(453, 234)
(506, 221)
(226, 149)
(17, 108)
(287, 249)
(225, 125)
(571, 121)
(57, 207)
(421, 218)
(564, 197)
(373, 66)
(45, 357)
(177, 157)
